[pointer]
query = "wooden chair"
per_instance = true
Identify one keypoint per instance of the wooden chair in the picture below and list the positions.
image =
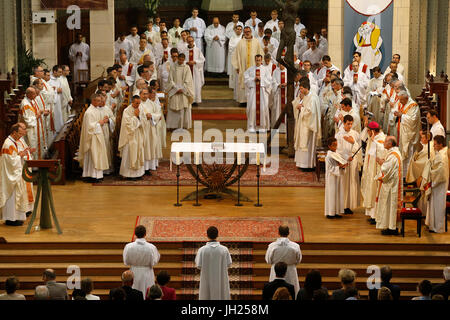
(411, 196)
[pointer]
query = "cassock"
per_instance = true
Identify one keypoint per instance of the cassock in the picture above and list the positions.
(79, 62)
(334, 187)
(141, 256)
(57, 107)
(408, 128)
(369, 185)
(215, 49)
(66, 98)
(307, 130)
(279, 99)
(108, 129)
(13, 192)
(287, 251)
(92, 154)
(180, 104)
(213, 260)
(234, 77)
(418, 162)
(229, 30)
(198, 78)
(36, 134)
(198, 23)
(131, 144)
(258, 117)
(390, 191)
(437, 129)
(435, 183)
(244, 58)
(350, 174)
(22, 146)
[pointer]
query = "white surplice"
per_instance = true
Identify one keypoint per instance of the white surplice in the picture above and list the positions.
(250, 86)
(141, 256)
(198, 77)
(57, 107)
(213, 260)
(287, 251)
(179, 111)
(198, 23)
(334, 186)
(36, 133)
(232, 43)
(80, 62)
(215, 49)
(66, 98)
(229, 30)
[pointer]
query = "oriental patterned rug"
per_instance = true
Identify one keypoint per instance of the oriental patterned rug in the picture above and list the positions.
(286, 175)
(193, 229)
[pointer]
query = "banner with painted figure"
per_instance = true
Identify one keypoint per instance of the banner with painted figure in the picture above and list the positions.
(368, 30)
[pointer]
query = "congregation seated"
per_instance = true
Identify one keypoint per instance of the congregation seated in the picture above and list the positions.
(117, 294)
(154, 293)
(282, 293)
(270, 288)
(384, 294)
(443, 288)
(424, 288)
(351, 293)
(312, 287)
(41, 293)
(347, 278)
(78, 294)
(162, 279)
(386, 276)
(87, 285)
(57, 291)
(12, 284)
(127, 284)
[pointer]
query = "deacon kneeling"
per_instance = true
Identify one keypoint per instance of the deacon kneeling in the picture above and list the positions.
(13, 192)
(131, 140)
(390, 191)
(434, 182)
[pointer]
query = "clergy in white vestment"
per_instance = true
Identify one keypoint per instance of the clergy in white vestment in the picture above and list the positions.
(182, 44)
(258, 82)
(92, 154)
(151, 34)
(253, 22)
(213, 260)
(164, 69)
(66, 94)
(307, 134)
(393, 68)
(358, 83)
(371, 168)
(231, 26)
(127, 70)
(425, 151)
(437, 129)
(215, 39)
(325, 69)
(195, 61)
(175, 32)
(79, 55)
(298, 26)
(400, 68)
(331, 104)
(390, 190)
(346, 109)
(55, 83)
(247, 48)
(272, 24)
(334, 186)
(157, 113)
(162, 52)
(279, 102)
(34, 119)
(108, 129)
(151, 139)
(180, 92)
(287, 251)
(123, 45)
(301, 44)
(435, 183)
(232, 44)
(163, 34)
(131, 140)
(14, 197)
(374, 92)
(141, 256)
(313, 83)
(348, 144)
(197, 28)
(134, 36)
(362, 67)
(47, 120)
(137, 56)
(408, 127)
(313, 54)
(322, 42)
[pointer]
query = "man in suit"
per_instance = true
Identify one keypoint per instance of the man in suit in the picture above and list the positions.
(127, 284)
(58, 291)
(386, 275)
(443, 288)
(271, 287)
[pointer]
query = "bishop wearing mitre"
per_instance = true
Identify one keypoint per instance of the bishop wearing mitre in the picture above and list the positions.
(93, 154)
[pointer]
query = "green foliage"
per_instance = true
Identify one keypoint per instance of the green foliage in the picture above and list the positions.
(151, 6)
(26, 64)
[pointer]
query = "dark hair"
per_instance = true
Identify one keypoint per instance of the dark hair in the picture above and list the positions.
(154, 292)
(433, 113)
(376, 69)
(326, 58)
(15, 128)
(425, 287)
(163, 278)
(261, 24)
(87, 285)
(55, 68)
(358, 53)
(173, 50)
(140, 231)
(266, 38)
(330, 141)
(78, 294)
(280, 269)
(109, 70)
(117, 294)
(396, 54)
(153, 83)
(386, 274)
(348, 118)
(320, 295)
(304, 82)
(351, 292)
(313, 280)
(101, 83)
(394, 75)
(347, 90)
(439, 140)
(268, 31)
(181, 55)
(140, 69)
(212, 233)
(283, 231)
(11, 285)
(347, 102)
(117, 66)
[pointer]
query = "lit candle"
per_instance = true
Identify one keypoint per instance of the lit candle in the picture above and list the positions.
(239, 158)
(197, 158)
(257, 159)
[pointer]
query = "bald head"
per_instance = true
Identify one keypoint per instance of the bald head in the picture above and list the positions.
(216, 22)
(390, 142)
(49, 275)
(30, 93)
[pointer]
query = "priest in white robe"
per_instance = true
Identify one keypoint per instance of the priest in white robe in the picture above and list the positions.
(92, 153)
(347, 109)
(287, 251)
(435, 185)
(106, 112)
(158, 116)
(358, 82)
(141, 256)
(151, 139)
(47, 120)
(374, 91)
(55, 83)
(181, 95)
(164, 69)
(23, 147)
(13, 191)
(122, 45)
(437, 129)
(334, 187)
(195, 61)
(258, 82)
(247, 48)
(232, 44)
(175, 32)
(137, 56)
(131, 141)
(33, 118)
(390, 190)
(67, 99)
(215, 39)
(279, 91)
(79, 55)
(213, 260)
(231, 26)
(307, 126)
(196, 27)
(162, 52)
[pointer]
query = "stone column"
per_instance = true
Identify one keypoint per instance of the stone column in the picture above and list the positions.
(8, 36)
(336, 32)
(220, 5)
(45, 44)
(101, 40)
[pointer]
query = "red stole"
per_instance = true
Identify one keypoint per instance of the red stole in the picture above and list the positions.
(258, 97)
(364, 69)
(130, 68)
(273, 67)
(191, 59)
(283, 90)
